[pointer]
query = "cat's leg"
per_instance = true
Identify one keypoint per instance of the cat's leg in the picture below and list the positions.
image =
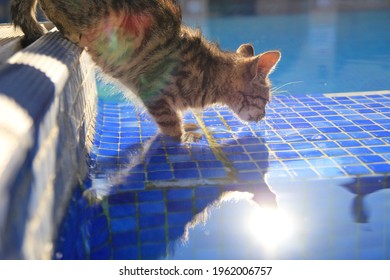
(170, 122)
(167, 118)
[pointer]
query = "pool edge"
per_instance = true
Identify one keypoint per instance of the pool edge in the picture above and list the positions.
(51, 83)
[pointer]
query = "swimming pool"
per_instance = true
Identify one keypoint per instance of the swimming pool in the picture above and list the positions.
(308, 182)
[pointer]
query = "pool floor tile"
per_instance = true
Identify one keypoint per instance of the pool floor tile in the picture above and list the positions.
(161, 184)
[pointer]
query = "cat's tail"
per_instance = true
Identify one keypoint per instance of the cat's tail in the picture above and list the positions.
(23, 13)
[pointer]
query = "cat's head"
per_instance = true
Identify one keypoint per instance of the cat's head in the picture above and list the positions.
(250, 85)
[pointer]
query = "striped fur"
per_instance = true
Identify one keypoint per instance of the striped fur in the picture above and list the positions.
(143, 45)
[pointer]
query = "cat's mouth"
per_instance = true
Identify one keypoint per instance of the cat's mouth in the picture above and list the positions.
(254, 115)
(256, 118)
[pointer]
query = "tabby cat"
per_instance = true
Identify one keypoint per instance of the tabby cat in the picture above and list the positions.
(143, 45)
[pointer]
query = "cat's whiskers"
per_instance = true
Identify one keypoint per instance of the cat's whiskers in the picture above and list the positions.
(276, 90)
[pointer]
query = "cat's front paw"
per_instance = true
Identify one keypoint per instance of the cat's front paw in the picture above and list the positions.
(191, 137)
(190, 126)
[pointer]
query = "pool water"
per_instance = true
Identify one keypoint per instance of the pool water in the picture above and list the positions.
(308, 182)
(321, 52)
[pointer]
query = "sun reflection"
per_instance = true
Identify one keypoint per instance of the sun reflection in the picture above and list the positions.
(269, 226)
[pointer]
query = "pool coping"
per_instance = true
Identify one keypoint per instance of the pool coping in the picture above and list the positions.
(47, 112)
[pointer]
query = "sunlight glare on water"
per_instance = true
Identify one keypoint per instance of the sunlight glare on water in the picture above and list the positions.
(270, 227)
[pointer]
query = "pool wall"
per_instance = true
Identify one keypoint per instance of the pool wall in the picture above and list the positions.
(47, 111)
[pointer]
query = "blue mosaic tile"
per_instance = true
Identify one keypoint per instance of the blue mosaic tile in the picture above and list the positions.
(279, 147)
(155, 235)
(179, 158)
(158, 167)
(381, 149)
(316, 137)
(158, 159)
(259, 156)
(103, 253)
(330, 172)
(204, 157)
(201, 204)
(250, 176)
(184, 194)
(303, 173)
(179, 206)
(124, 239)
(380, 134)
(153, 251)
(380, 168)
(210, 164)
(360, 135)
(238, 157)
(175, 233)
(287, 155)
(326, 144)
(152, 221)
(122, 198)
(179, 219)
(150, 196)
(371, 128)
(293, 138)
(99, 238)
(214, 173)
(349, 143)
(187, 174)
(348, 160)
(320, 163)
(245, 166)
(351, 129)
(137, 177)
(371, 184)
(359, 151)
(279, 174)
(338, 136)
(329, 130)
(128, 253)
(184, 165)
(123, 225)
(160, 176)
(311, 153)
(207, 191)
(151, 207)
(120, 211)
(222, 135)
(293, 164)
(356, 170)
(99, 224)
(132, 186)
(372, 142)
(233, 149)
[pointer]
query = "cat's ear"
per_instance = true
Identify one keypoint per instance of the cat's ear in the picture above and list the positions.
(246, 50)
(267, 62)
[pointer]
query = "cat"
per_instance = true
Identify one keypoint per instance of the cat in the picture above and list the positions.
(144, 45)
